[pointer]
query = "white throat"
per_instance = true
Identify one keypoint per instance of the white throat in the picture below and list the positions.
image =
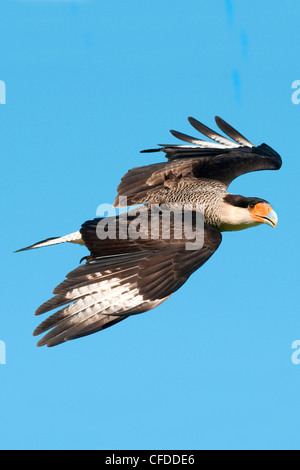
(235, 218)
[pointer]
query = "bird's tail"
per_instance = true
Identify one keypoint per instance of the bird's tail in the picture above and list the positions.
(71, 238)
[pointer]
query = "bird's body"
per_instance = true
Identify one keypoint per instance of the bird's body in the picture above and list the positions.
(200, 194)
(139, 258)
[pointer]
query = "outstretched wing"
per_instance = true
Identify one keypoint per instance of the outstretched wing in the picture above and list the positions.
(222, 160)
(124, 276)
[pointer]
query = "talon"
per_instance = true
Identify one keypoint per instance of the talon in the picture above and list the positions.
(87, 258)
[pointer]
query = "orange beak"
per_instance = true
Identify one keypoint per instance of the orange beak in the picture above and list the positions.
(263, 213)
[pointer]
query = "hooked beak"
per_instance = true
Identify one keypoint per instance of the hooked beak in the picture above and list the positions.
(264, 213)
(271, 219)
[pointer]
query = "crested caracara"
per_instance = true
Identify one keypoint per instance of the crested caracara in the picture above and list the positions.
(139, 266)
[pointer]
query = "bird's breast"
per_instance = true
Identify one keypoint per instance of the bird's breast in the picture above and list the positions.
(195, 194)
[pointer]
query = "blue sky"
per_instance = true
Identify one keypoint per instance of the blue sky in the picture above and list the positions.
(88, 85)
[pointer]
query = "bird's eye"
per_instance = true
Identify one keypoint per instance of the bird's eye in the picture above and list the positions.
(251, 206)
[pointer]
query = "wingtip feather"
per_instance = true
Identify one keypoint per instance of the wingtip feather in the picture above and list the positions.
(232, 133)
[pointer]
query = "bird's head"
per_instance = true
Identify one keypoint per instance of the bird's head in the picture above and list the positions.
(239, 212)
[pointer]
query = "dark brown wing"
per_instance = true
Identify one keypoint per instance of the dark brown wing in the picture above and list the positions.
(125, 276)
(223, 161)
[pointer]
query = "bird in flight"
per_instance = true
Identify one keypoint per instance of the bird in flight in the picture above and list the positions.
(139, 264)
